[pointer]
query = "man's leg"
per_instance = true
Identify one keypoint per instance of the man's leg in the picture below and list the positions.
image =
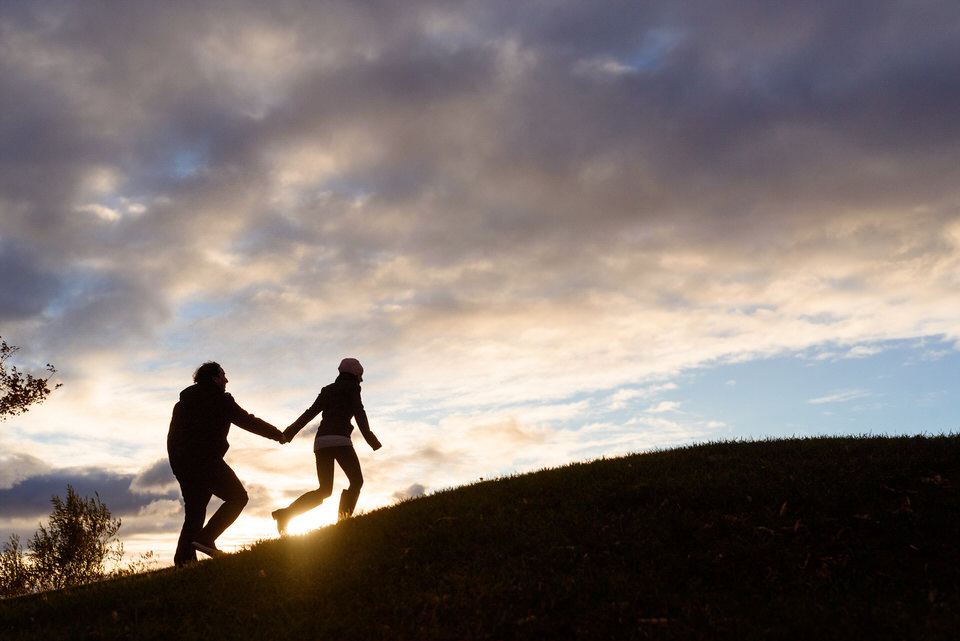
(224, 484)
(196, 496)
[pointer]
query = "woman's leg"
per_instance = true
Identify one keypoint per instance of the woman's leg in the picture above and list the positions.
(350, 464)
(312, 499)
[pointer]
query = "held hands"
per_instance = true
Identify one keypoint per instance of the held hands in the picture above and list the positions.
(286, 436)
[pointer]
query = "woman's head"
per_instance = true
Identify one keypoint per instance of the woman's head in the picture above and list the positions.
(351, 366)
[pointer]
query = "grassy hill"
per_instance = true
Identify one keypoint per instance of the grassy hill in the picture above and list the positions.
(830, 538)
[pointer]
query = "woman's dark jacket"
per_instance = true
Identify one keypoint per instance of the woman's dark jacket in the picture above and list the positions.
(199, 427)
(339, 402)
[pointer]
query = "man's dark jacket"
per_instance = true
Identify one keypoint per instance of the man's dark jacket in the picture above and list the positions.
(198, 430)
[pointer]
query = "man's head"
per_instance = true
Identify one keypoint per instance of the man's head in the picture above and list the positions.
(210, 373)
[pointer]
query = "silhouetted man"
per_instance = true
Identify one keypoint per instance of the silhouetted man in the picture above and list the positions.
(196, 444)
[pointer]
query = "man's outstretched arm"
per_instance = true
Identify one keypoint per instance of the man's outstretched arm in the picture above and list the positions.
(244, 419)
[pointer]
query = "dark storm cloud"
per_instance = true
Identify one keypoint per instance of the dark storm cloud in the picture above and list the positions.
(155, 479)
(27, 287)
(511, 122)
(30, 498)
(500, 141)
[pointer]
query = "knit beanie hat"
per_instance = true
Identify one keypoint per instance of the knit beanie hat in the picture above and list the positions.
(351, 366)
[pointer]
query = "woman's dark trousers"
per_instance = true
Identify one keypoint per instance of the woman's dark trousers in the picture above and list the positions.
(346, 457)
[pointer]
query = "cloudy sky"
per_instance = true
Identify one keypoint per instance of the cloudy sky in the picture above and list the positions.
(551, 231)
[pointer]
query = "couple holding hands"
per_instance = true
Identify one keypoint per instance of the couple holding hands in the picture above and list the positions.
(197, 443)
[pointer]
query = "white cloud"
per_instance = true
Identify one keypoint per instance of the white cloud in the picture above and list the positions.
(602, 65)
(664, 406)
(840, 397)
(414, 491)
(17, 467)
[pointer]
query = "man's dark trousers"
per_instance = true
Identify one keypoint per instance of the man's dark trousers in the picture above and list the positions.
(197, 486)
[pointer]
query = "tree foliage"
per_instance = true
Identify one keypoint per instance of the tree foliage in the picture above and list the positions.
(15, 575)
(18, 391)
(74, 548)
(80, 539)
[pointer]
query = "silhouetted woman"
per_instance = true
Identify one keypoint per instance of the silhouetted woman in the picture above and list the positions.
(339, 402)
